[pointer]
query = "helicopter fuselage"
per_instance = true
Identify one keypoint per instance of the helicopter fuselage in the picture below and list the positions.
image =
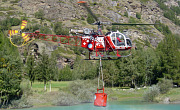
(110, 42)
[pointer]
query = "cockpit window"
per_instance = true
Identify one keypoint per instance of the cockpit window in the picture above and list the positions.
(129, 42)
(118, 39)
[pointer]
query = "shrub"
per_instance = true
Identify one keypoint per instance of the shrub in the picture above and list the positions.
(83, 90)
(39, 14)
(65, 99)
(151, 93)
(21, 103)
(59, 29)
(165, 85)
(15, 21)
(126, 14)
(90, 19)
(138, 15)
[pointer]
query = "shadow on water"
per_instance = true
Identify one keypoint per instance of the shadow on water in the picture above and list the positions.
(117, 105)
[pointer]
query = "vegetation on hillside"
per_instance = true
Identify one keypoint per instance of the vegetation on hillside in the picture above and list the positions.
(170, 13)
(146, 66)
(10, 72)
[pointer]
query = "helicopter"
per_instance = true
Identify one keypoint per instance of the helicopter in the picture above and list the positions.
(97, 43)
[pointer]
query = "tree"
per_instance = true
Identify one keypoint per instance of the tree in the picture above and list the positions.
(43, 69)
(31, 68)
(10, 72)
(59, 29)
(138, 15)
(40, 14)
(169, 57)
(53, 69)
(90, 19)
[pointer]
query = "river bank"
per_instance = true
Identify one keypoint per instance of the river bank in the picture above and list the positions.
(62, 94)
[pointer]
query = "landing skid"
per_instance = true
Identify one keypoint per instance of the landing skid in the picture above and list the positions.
(105, 56)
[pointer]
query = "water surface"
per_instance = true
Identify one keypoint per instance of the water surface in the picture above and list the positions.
(123, 105)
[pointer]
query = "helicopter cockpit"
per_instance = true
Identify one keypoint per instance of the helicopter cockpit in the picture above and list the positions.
(119, 39)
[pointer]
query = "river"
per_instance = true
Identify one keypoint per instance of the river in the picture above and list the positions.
(122, 105)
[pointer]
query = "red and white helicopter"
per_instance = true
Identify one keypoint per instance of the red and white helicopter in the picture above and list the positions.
(96, 42)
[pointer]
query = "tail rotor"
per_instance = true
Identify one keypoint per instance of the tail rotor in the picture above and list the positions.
(19, 34)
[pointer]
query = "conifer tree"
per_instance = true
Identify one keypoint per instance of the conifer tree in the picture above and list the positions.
(31, 71)
(43, 69)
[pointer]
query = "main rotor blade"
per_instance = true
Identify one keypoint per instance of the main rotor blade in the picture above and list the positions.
(13, 32)
(131, 24)
(88, 9)
(23, 24)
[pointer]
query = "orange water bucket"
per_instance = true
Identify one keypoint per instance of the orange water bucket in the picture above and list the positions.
(100, 99)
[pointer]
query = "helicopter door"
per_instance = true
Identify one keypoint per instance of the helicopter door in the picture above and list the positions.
(120, 40)
(113, 37)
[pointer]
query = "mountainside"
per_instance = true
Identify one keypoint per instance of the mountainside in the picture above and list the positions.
(154, 59)
(74, 16)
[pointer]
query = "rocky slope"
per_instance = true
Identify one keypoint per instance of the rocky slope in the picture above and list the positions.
(71, 13)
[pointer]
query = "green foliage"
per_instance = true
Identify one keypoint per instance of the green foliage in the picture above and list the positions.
(144, 1)
(45, 30)
(83, 69)
(43, 69)
(170, 13)
(83, 90)
(15, 21)
(21, 103)
(10, 72)
(40, 14)
(126, 14)
(165, 85)
(176, 9)
(90, 19)
(138, 15)
(32, 28)
(30, 68)
(162, 28)
(59, 29)
(151, 94)
(14, 1)
(65, 99)
(82, 18)
(169, 57)
(8, 22)
(65, 74)
(4, 0)
(54, 38)
(132, 20)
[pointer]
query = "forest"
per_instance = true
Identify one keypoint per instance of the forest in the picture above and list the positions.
(145, 67)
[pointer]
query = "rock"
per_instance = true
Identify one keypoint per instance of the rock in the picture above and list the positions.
(166, 100)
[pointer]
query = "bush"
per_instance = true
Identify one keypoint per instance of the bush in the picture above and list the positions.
(90, 19)
(151, 93)
(39, 14)
(59, 29)
(21, 103)
(126, 14)
(15, 21)
(65, 99)
(138, 15)
(83, 90)
(165, 85)
(77, 92)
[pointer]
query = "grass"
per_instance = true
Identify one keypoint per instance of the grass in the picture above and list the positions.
(124, 94)
(45, 98)
(173, 94)
(55, 85)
